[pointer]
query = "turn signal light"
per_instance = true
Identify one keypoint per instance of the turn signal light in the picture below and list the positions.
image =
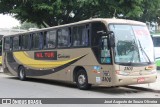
(149, 68)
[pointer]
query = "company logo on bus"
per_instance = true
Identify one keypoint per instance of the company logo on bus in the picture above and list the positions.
(48, 55)
(63, 56)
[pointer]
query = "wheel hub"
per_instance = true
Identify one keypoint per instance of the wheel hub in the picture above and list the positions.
(21, 73)
(81, 79)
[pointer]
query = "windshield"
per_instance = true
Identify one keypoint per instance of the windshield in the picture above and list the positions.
(133, 44)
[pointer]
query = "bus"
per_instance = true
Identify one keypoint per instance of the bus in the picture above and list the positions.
(6, 31)
(156, 42)
(1, 49)
(99, 51)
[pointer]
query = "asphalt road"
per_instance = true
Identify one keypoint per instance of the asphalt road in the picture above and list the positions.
(11, 87)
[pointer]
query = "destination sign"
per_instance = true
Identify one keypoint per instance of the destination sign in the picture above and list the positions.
(47, 55)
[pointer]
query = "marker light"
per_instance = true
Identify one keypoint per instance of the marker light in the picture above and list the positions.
(149, 68)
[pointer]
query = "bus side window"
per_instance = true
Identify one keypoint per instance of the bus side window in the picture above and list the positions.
(96, 27)
(99, 45)
(41, 40)
(25, 42)
(16, 43)
(7, 43)
(64, 38)
(35, 40)
(22, 42)
(11, 43)
(0, 47)
(87, 38)
(45, 40)
(105, 52)
(50, 39)
(75, 41)
(80, 36)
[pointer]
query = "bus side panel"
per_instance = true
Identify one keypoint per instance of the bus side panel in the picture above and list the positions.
(11, 64)
(101, 75)
(60, 75)
(98, 74)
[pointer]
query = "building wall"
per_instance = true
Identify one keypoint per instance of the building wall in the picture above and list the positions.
(4, 31)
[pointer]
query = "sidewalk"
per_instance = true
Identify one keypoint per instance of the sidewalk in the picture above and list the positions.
(2, 75)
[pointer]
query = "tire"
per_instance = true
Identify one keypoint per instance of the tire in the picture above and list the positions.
(21, 73)
(82, 80)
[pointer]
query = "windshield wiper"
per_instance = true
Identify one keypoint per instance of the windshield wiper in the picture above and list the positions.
(133, 54)
(144, 52)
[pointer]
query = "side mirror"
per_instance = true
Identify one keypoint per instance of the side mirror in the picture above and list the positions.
(152, 36)
(111, 38)
(101, 33)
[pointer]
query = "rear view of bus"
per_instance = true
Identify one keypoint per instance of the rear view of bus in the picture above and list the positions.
(156, 42)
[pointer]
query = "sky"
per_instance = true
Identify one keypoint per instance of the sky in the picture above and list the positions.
(7, 21)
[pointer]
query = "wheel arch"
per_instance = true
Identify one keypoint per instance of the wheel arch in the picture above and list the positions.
(19, 67)
(19, 72)
(76, 69)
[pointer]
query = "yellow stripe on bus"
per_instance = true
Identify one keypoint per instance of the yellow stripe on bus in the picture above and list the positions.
(29, 62)
(0, 59)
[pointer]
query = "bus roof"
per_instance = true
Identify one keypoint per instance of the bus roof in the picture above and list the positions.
(124, 21)
(105, 20)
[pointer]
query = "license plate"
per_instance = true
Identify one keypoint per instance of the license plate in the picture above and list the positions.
(140, 80)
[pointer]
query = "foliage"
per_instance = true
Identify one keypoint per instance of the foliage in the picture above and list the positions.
(27, 25)
(55, 12)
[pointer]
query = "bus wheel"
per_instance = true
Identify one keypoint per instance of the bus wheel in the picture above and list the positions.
(21, 73)
(82, 80)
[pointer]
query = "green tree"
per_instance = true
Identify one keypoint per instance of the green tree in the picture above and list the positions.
(26, 26)
(55, 12)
